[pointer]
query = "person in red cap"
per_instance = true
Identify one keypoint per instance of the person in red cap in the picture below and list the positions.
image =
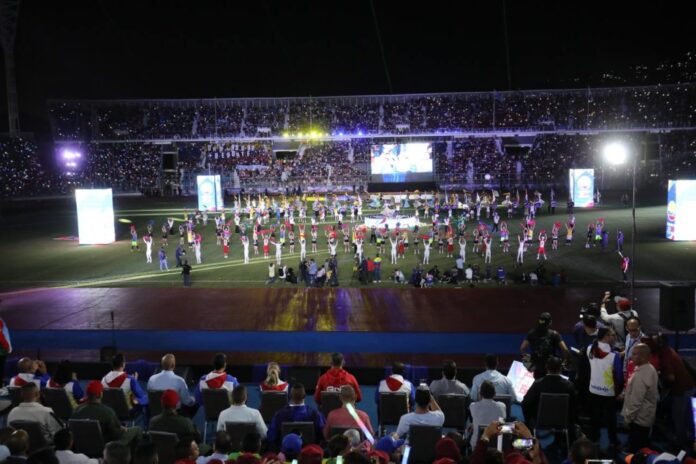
(335, 378)
(311, 454)
(170, 420)
(93, 409)
(618, 320)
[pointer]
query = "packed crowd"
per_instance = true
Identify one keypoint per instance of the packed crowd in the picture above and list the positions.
(615, 377)
(607, 108)
(20, 170)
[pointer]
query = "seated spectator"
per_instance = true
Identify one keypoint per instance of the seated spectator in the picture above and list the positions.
(295, 411)
(395, 383)
(448, 383)
(354, 439)
(170, 421)
(111, 428)
(272, 381)
(63, 441)
(119, 378)
(30, 409)
(335, 378)
(64, 377)
(18, 445)
(503, 385)
(341, 417)
(427, 413)
(391, 445)
(168, 380)
(116, 452)
(240, 412)
(485, 410)
(30, 371)
(186, 452)
(339, 445)
(221, 449)
(217, 378)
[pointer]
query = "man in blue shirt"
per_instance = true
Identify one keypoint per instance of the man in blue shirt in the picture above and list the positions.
(168, 380)
(295, 411)
(502, 385)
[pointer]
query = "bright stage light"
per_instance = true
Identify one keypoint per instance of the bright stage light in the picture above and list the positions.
(286, 135)
(95, 216)
(615, 153)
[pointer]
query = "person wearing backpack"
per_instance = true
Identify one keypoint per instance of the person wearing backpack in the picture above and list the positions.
(619, 319)
(543, 342)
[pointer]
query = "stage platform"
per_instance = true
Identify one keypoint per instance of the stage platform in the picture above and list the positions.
(295, 326)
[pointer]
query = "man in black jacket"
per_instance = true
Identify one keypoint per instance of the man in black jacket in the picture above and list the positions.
(552, 382)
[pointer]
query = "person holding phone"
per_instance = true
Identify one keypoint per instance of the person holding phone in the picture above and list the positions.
(427, 412)
(525, 448)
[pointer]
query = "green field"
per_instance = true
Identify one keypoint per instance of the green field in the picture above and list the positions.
(32, 257)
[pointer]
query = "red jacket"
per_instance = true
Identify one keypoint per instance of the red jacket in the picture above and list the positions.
(333, 380)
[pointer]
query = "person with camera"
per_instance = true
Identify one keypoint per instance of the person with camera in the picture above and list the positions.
(525, 448)
(543, 342)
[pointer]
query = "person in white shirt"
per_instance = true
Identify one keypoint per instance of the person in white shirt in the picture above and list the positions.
(448, 383)
(63, 441)
(168, 380)
(31, 410)
(485, 410)
(618, 320)
(503, 385)
(240, 412)
(427, 412)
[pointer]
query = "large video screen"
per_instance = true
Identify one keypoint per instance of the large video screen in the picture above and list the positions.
(95, 216)
(209, 193)
(402, 162)
(681, 205)
(582, 187)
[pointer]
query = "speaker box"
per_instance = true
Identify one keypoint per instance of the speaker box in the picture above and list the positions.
(677, 306)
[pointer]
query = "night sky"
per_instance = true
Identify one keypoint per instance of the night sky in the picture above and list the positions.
(195, 49)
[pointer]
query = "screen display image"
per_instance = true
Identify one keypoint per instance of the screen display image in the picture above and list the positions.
(209, 193)
(95, 216)
(405, 162)
(681, 205)
(581, 182)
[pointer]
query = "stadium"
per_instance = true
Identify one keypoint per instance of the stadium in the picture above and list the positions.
(425, 242)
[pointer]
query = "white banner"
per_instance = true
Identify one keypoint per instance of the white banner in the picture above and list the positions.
(521, 379)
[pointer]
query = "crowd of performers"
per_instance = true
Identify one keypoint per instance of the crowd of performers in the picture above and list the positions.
(277, 225)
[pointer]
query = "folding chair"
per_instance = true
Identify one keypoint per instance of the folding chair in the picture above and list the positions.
(37, 441)
(552, 414)
(391, 407)
(237, 431)
(115, 398)
(215, 400)
(303, 429)
(88, 437)
(423, 439)
(329, 402)
(456, 410)
(57, 399)
(166, 443)
(154, 399)
(507, 400)
(271, 402)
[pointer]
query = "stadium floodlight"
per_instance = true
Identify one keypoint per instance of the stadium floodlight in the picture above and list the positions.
(615, 153)
(286, 135)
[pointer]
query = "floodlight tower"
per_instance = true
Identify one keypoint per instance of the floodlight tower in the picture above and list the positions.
(9, 11)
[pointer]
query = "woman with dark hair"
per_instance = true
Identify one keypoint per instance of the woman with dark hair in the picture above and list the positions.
(606, 382)
(64, 377)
